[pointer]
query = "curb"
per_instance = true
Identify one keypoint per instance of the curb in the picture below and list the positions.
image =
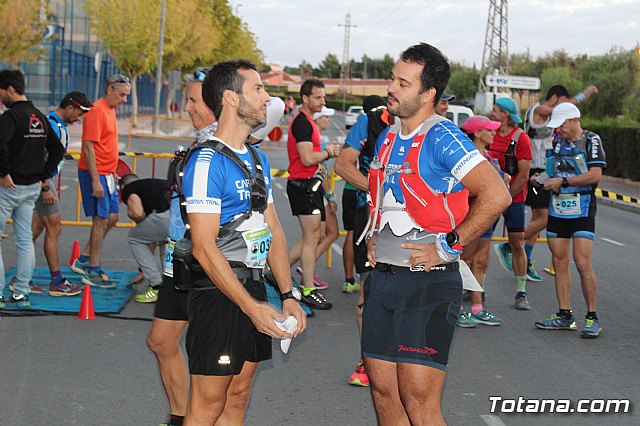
(621, 205)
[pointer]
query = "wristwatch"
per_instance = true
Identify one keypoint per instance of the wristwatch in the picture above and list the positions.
(293, 294)
(453, 241)
(565, 182)
(46, 188)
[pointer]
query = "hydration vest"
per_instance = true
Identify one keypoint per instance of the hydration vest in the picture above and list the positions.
(431, 210)
(257, 183)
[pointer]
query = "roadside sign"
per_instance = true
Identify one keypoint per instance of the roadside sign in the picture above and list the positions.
(513, 82)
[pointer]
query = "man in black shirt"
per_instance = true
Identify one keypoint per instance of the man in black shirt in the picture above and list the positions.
(29, 154)
(147, 205)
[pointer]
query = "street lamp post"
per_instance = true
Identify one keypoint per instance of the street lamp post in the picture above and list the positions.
(156, 109)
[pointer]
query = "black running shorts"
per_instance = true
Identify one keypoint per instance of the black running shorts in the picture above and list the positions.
(220, 337)
(349, 206)
(537, 197)
(171, 304)
(303, 200)
(411, 317)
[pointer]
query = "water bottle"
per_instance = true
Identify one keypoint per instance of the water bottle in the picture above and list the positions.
(579, 159)
(549, 163)
(182, 264)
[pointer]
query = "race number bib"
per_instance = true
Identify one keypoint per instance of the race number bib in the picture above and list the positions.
(566, 204)
(258, 243)
(111, 184)
(167, 265)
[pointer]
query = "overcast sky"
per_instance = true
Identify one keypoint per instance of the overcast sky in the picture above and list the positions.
(293, 30)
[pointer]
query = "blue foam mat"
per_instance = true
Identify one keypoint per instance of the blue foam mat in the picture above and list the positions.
(105, 300)
(273, 297)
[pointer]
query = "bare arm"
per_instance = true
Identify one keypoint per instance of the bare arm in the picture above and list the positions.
(491, 199)
(278, 260)
(135, 211)
(310, 158)
(520, 180)
(590, 178)
(204, 232)
(90, 160)
(346, 167)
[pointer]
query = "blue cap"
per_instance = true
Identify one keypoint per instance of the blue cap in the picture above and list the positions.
(510, 106)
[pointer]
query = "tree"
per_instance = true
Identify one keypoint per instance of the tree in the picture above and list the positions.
(464, 83)
(238, 42)
(186, 50)
(22, 23)
(329, 67)
(130, 29)
(559, 75)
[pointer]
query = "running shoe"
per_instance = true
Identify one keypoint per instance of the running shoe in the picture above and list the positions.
(2, 304)
(504, 256)
(359, 377)
(349, 288)
(98, 279)
(35, 289)
(64, 288)
(532, 275)
(317, 282)
(21, 300)
(81, 268)
(486, 318)
(314, 299)
(556, 322)
(591, 328)
(521, 302)
(465, 320)
(149, 296)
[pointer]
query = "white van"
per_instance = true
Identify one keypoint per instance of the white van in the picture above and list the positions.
(459, 114)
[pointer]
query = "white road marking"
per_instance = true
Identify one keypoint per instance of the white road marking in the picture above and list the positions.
(337, 249)
(612, 242)
(63, 187)
(279, 185)
(492, 420)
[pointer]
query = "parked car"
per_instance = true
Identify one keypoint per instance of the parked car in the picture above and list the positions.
(459, 114)
(351, 116)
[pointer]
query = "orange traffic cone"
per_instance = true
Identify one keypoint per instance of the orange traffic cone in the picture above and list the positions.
(86, 306)
(75, 252)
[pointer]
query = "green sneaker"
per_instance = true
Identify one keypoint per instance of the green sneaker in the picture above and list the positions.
(81, 268)
(347, 287)
(149, 296)
(98, 279)
(465, 320)
(486, 318)
(2, 304)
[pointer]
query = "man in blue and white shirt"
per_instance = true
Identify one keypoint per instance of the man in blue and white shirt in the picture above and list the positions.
(230, 323)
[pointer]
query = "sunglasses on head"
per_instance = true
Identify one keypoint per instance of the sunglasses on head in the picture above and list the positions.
(200, 74)
(117, 79)
(82, 107)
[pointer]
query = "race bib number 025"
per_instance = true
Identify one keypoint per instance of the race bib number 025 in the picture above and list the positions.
(566, 204)
(258, 243)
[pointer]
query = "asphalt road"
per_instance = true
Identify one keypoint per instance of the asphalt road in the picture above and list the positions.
(59, 370)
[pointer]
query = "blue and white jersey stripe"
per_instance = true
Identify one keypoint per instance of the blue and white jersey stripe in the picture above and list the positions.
(212, 183)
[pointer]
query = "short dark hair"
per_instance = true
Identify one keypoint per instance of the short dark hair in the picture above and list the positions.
(557, 90)
(13, 78)
(435, 67)
(307, 87)
(221, 77)
(75, 99)
(128, 178)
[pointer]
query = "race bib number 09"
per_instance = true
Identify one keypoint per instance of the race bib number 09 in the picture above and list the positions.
(567, 204)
